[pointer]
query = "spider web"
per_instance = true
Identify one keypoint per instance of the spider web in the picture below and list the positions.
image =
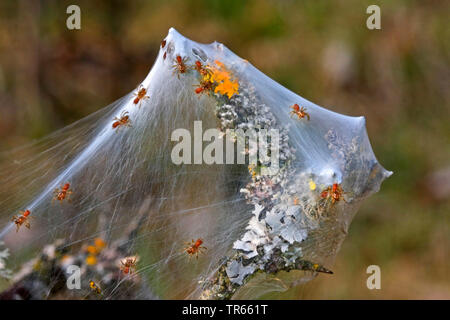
(130, 199)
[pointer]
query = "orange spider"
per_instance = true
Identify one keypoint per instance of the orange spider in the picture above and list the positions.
(204, 86)
(63, 193)
(22, 219)
(202, 70)
(300, 112)
(180, 66)
(140, 95)
(164, 55)
(335, 193)
(124, 120)
(129, 265)
(195, 247)
(163, 43)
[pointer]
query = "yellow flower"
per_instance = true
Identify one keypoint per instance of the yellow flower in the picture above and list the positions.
(227, 87)
(312, 185)
(92, 250)
(223, 79)
(99, 243)
(91, 260)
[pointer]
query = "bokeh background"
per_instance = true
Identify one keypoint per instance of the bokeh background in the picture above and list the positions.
(397, 77)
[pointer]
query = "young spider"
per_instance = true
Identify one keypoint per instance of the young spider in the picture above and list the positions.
(164, 55)
(180, 66)
(300, 112)
(335, 193)
(195, 247)
(22, 219)
(163, 43)
(94, 287)
(204, 86)
(140, 95)
(202, 70)
(124, 120)
(63, 193)
(129, 265)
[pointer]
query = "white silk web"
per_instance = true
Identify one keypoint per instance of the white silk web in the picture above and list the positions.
(130, 200)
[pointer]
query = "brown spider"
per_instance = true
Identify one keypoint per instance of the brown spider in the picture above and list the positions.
(129, 265)
(333, 193)
(180, 66)
(204, 72)
(204, 86)
(195, 247)
(63, 193)
(22, 219)
(300, 112)
(124, 120)
(140, 95)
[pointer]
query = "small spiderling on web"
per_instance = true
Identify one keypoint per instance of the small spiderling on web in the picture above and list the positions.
(141, 95)
(128, 265)
(300, 112)
(180, 66)
(333, 193)
(22, 219)
(63, 193)
(194, 247)
(123, 121)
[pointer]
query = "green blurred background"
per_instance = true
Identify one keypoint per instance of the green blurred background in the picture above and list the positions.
(397, 77)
